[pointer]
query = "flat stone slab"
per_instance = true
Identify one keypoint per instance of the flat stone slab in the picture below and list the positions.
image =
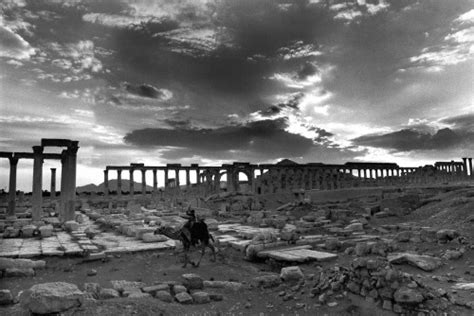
(426, 263)
(298, 254)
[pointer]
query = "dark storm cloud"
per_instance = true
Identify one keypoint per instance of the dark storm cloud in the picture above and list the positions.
(410, 139)
(267, 137)
(145, 90)
(463, 122)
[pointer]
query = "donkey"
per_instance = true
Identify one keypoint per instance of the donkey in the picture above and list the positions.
(199, 235)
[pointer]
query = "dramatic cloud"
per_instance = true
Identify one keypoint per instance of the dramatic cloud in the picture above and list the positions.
(148, 91)
(409, 140)
(13, 45)
(267, 137)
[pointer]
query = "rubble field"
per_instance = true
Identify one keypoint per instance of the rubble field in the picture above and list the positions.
(404, 251)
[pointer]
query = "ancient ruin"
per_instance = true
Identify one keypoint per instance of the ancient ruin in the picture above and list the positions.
(369, 238)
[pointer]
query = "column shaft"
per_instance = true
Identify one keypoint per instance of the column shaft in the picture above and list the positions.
(37, 197)
(12, 187)
(106, 183)
(53, 183)
(143, 182)
(119, 182)
(131, 183)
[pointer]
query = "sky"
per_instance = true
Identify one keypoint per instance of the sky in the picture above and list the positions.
(217, 81)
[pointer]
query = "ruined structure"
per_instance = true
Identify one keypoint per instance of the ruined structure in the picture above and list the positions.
(286, 175)
(68, 177)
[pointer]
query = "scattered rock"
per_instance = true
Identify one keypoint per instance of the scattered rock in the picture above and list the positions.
(123, 286)
(235, 286)
(137, 294)
(151, 237)
(293, 273)
(354, 227)
(19, 272)
(6, 297)
(21, 263)
(267, 281)
(53, 297)
(183, 298)
(71, 226)
(192, 281)
(452, 254)
(105, 294)
(164, 296)
(426, 263)
(445, 235)
(91, 272)
(178, 288)
(216, 297)
(408, 296)
(201, 297)
(156, 288)
(93, 288)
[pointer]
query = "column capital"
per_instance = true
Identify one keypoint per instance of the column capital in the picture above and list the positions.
(13, 160)
(38, 149)
(53, 169)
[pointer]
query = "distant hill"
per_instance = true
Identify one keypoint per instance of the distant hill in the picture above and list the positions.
(286, 162)
(112, 187)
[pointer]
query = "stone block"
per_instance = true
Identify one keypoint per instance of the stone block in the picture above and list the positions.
(46, 231)
(105, 294)
(183, 298)
(136, 294)
(201, 297)
(93, 288)
(178, 288)
(6, 297)
(267, 281)
(406, 295)
(192, 281)
(17, 272)
(27, 231)
(293, 273)
(71, 226)
(123, 286)
(164, 296)
(151, 237)
(21, 263)
(140, 231)
(156, 288)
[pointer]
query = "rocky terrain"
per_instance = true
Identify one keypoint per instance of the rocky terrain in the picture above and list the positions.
(400, 251)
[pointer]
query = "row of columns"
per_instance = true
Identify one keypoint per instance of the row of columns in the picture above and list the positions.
(274, 177)
(143, 180)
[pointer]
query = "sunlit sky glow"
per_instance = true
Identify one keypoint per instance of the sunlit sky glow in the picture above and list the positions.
(211, 82)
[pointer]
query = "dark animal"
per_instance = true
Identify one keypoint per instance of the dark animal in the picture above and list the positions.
(199, 236)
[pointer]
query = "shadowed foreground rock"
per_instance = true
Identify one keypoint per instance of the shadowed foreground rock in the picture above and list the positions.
(52, 297)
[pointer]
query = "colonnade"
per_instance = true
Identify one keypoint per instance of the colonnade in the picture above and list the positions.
(68, 177)
(273, 178)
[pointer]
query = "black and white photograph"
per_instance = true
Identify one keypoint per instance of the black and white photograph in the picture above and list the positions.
(236, 157)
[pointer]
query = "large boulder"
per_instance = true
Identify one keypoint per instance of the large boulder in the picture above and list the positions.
(426, 263)
(53, 297)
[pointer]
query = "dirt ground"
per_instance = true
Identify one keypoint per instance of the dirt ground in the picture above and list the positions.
(447, 210)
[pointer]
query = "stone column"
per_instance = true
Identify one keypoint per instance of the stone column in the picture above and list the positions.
(188, 180)
(155, 182)
(53, 183)
(131, 183)
(144, 182)
(119, 182)
(12, 187)
(64, 184)
(71, 187)
(106, 183)
(166, 178)
(470, 167)
(177, 178)
(37, 197)
(230, 181)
